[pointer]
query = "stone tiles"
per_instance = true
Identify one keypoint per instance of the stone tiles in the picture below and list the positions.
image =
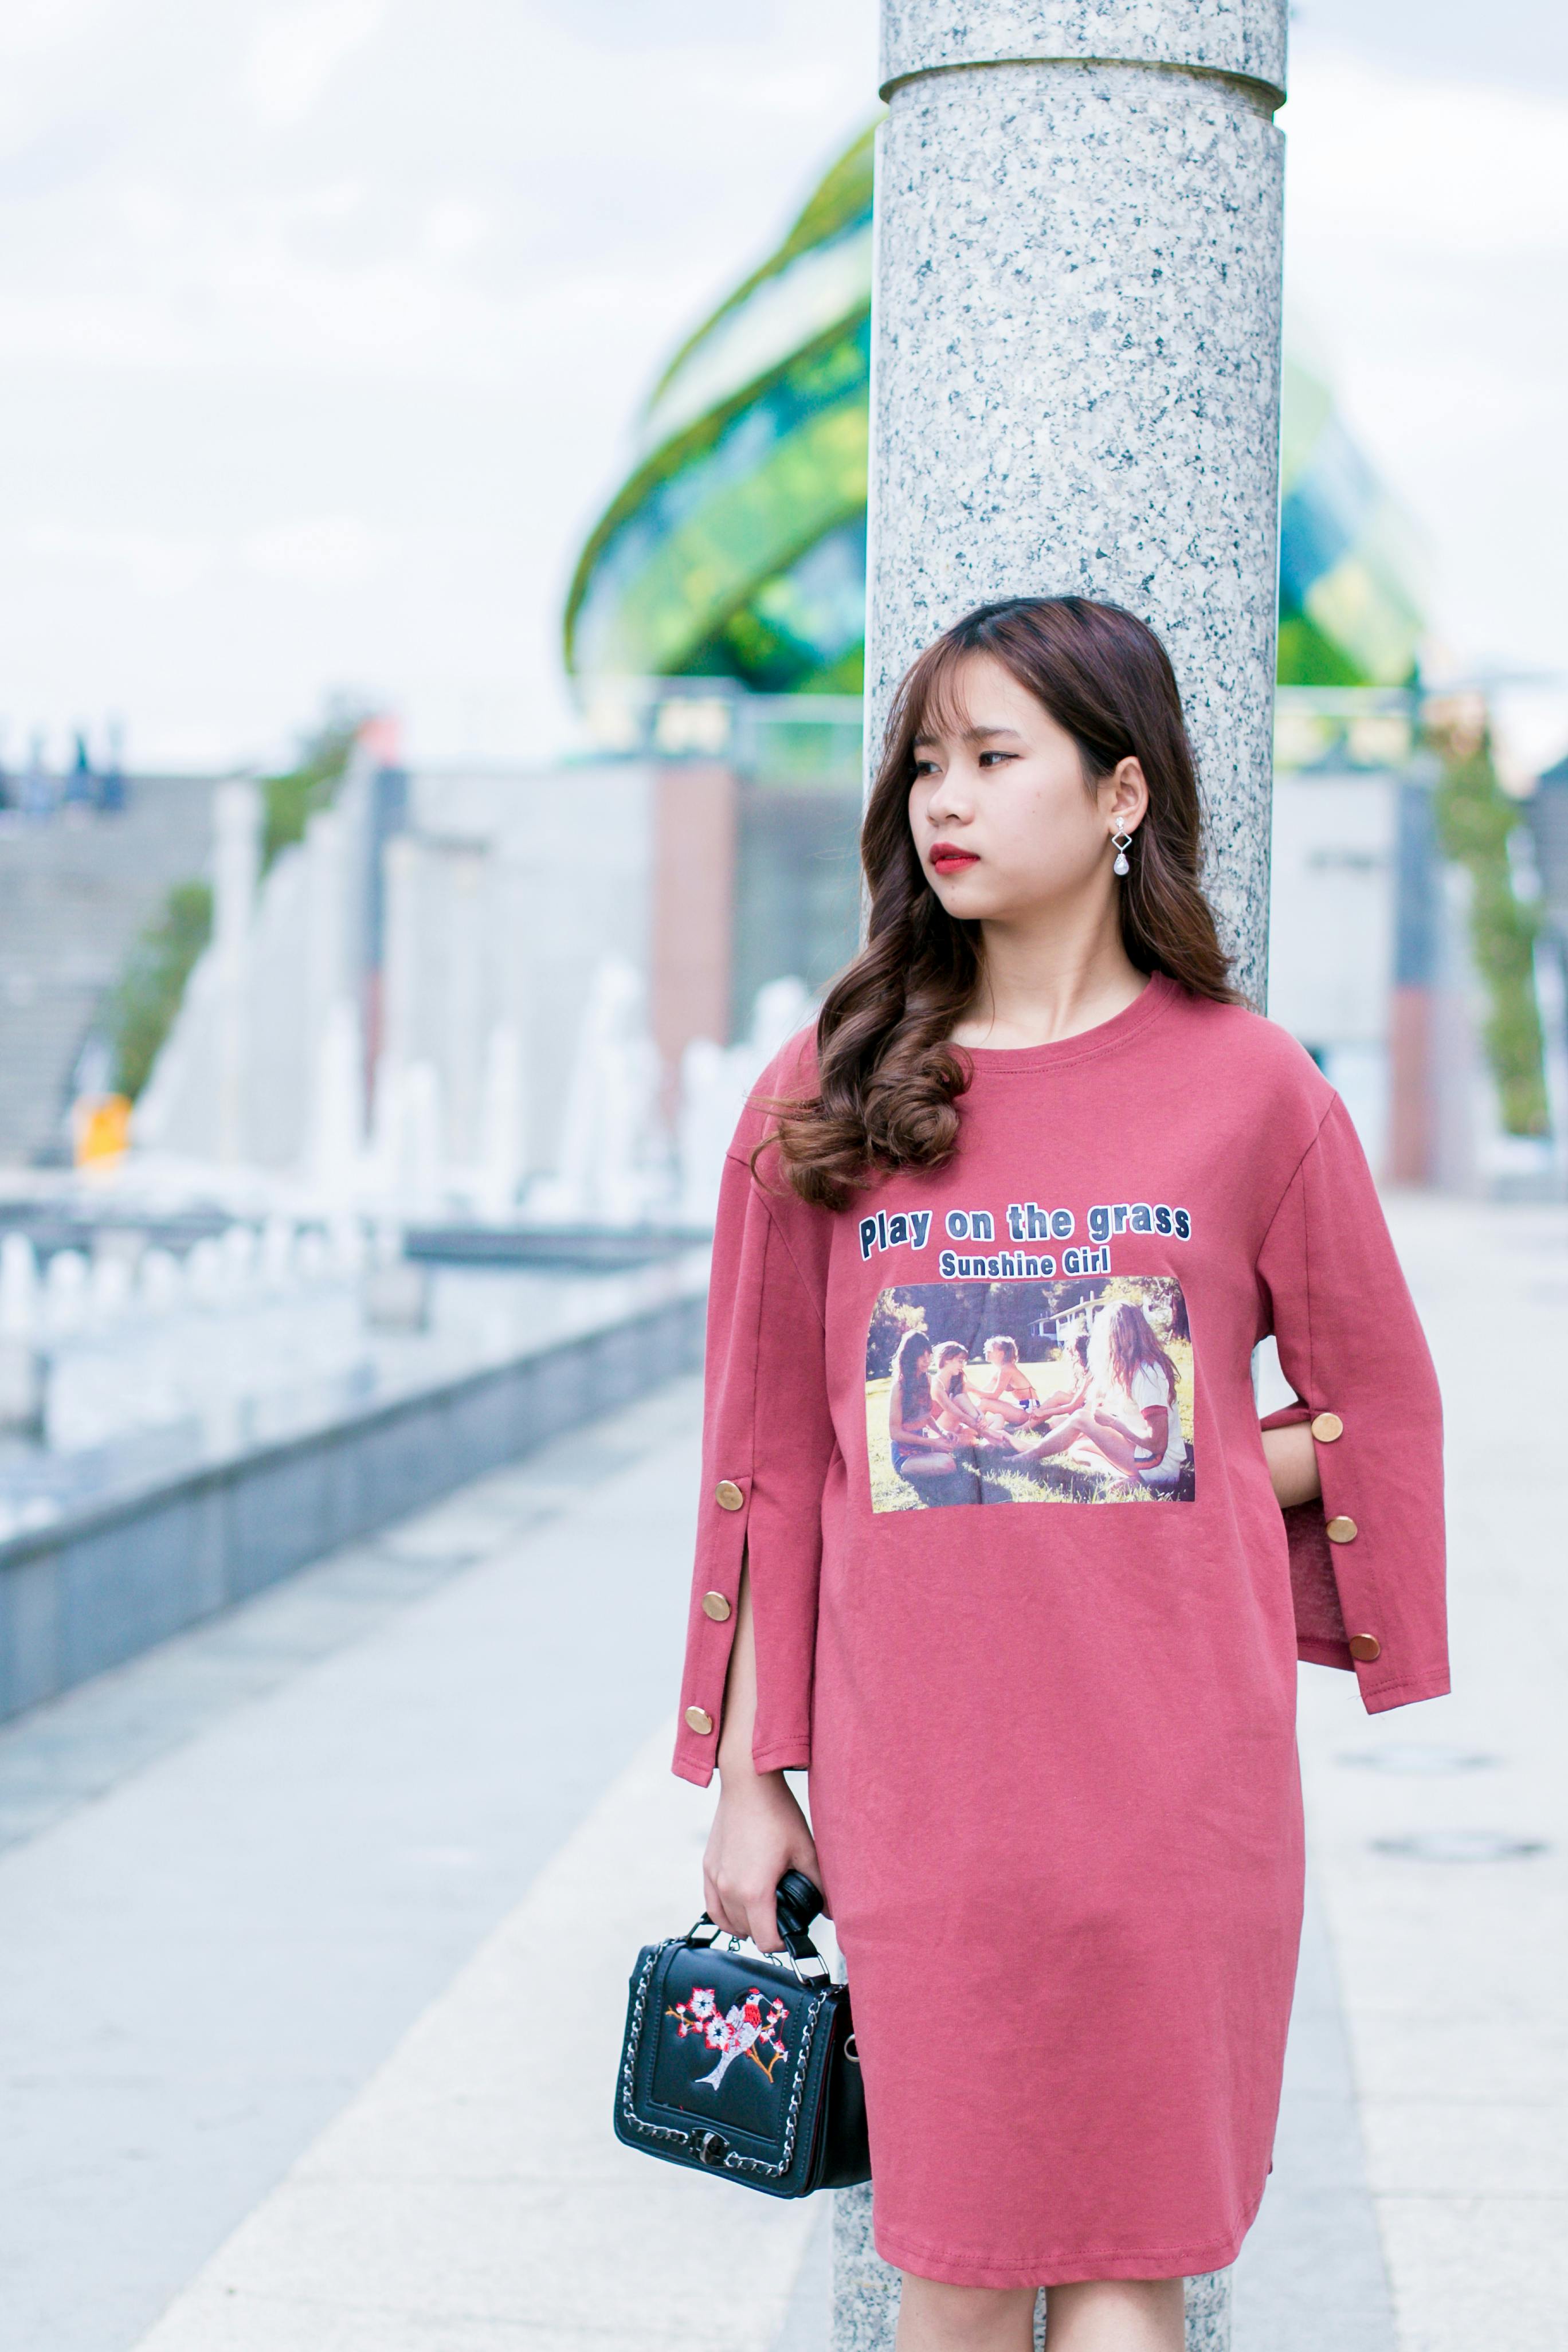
(312, 1987)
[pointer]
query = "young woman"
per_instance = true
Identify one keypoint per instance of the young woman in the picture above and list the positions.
(1054, 1785)
(1129, 1421)
(1005, 1393)
(920, 1451)
(958, 1416)
(999, 1387)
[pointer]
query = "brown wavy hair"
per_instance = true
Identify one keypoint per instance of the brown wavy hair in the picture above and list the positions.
(1131, 1340)
(888, 1077)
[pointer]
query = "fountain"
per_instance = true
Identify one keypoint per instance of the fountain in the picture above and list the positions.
(715, 1081)
(502, 1141)
(335, 1146)
(66, 1293)
(613, 1164)
(22, 1366)
(18, 1288)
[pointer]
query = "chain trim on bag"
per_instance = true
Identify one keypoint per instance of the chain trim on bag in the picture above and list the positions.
(628, 2064)
(733, 2162)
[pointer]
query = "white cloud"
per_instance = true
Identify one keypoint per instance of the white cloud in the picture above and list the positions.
(28, 27)
(295, 52)
(151, 563)
(1428, 244)
(1465, 172)
(322, 371)
(452, 229)
(324, 551)
(340, 339)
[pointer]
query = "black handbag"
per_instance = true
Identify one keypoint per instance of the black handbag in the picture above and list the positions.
(745, 2067)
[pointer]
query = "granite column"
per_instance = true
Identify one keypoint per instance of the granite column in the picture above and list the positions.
(1076, 390)
(1076, 366)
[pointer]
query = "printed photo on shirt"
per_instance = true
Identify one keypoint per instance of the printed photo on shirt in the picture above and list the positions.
(1030, 1393)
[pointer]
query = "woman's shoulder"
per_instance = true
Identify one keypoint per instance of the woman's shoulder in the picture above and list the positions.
(789, 1079)
(791, 1075)
(1238, 1046)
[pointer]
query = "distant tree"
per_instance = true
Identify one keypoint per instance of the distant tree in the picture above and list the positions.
(1159, 1294)
(141, 1007)
(1474, 819)
(893, 1315)
(973, 1312)
(291, 799)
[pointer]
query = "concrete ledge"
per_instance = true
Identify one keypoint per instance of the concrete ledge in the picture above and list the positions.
(112, 1578)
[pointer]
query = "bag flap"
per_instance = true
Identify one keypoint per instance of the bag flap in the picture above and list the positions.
(725, 2039)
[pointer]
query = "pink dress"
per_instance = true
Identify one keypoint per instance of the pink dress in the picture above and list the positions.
(1048, 1700)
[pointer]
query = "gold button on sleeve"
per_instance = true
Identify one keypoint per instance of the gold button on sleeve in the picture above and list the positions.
(715, 1606)
(1365, 1646)
(698, 1719)
(727, 1495)
(1342, 1530)
(1326, 1427)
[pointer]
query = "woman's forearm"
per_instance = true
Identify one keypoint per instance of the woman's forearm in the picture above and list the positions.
(759, 1831)
(740, 1716)
(1292, 1459)
(914, 1438)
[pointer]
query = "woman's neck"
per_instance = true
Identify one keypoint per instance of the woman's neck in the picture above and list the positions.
(1039, 985)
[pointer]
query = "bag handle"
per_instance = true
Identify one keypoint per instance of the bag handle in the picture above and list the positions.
(797, 1902)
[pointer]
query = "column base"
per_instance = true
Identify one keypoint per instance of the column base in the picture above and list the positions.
(866, 2290)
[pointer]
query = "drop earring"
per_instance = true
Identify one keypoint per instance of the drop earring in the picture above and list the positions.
(1123, 843)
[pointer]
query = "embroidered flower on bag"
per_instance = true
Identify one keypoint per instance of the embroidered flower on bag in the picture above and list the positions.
(743, 2032)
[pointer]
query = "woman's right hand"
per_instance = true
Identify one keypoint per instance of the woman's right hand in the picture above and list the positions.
(759, 1832)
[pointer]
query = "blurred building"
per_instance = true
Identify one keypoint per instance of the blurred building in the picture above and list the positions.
(475, 987)
(1548, 839)
(736, 546)
(556, 984)
(1549, 829)
(730, 567)
(1368, 963)
(408, 983)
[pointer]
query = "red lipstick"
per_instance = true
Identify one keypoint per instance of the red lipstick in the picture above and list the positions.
(946, 857)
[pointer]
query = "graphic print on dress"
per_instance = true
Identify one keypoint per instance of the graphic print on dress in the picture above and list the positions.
(745, 2030)
(1030, 1393)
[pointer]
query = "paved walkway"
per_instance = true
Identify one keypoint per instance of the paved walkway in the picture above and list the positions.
(1453, 1974)
(317, 1926)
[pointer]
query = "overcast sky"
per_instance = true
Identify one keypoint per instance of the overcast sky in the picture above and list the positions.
(321, 324)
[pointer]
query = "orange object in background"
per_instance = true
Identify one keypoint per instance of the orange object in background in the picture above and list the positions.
(100, 1129)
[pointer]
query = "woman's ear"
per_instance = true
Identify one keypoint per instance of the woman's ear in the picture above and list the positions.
(1125, 796)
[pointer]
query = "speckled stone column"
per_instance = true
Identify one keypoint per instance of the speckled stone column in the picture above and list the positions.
(1076, 370)
(1076, 390)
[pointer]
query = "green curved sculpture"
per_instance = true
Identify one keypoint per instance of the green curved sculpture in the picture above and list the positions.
(1348, 610)
(737, 548)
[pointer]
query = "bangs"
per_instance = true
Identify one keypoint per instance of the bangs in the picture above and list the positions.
(935, 704)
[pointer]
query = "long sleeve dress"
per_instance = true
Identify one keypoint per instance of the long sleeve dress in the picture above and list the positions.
(1047, 1698)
